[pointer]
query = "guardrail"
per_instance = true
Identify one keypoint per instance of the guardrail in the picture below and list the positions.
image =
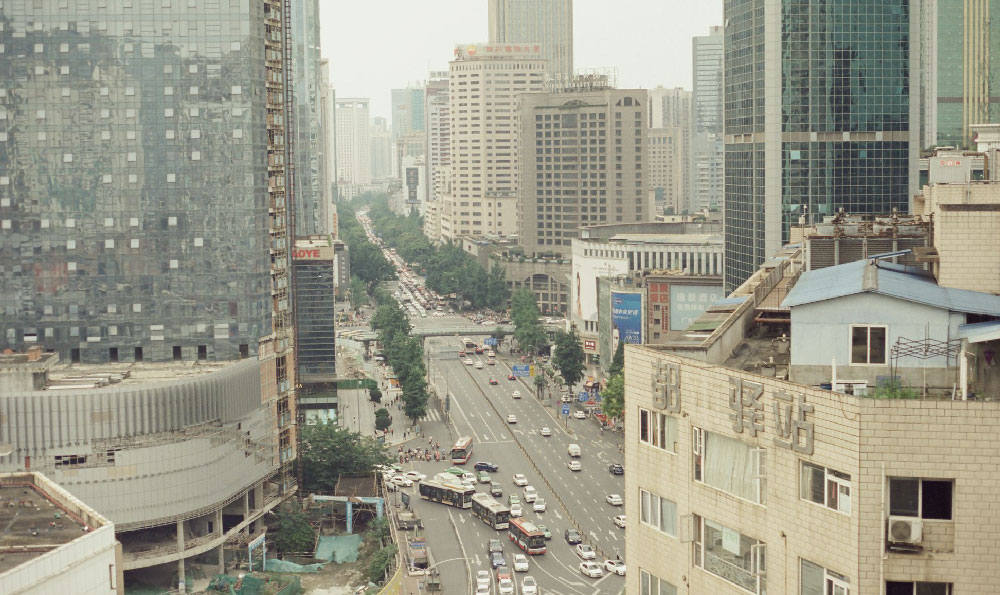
(517, 441)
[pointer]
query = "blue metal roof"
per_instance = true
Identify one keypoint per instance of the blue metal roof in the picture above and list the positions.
(889, 280)
(980, 331)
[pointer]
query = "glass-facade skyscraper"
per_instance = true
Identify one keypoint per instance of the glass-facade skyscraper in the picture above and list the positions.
(827, 127)
(138, 182)
(312, 213)
(545, 22)
(706, 135)
(964, 69)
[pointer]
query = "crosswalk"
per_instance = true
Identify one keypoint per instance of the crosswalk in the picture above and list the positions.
(432, 415)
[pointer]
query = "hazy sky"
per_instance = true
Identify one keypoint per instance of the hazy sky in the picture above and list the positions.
(377, 45)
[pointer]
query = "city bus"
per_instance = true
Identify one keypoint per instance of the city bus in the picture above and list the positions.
(490, 511)
(452, 495)
(527, 536)
(462, 451)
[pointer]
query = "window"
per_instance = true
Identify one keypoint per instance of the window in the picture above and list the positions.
(652, 585)
(730, 555)
(658, 430)
(868, 344)
(657, 512)
(825, 487)
(816, 580)
(730, 465)
(923, 498)
(908, 588)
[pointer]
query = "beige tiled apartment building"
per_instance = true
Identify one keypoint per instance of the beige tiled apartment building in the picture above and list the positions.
(758, 511)
(747, 473)
(484, 84)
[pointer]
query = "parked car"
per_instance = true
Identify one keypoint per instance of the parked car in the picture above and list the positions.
(486, 466)
(401, 481)
(573, 536)
(616, 469)
(415, 476)
(591, 569)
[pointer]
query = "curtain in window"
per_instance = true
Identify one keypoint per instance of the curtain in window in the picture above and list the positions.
(729, 466)
(644, 506)
(668, 517)
(669, 429)
(810, 579)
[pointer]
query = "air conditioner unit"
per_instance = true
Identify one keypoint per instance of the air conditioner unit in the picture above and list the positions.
(905, 529)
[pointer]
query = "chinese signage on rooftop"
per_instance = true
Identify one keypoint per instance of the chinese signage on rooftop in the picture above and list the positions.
(492, 50)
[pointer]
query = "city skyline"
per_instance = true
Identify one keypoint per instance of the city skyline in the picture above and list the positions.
(431, 47)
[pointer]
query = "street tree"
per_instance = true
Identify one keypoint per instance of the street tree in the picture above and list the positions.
(375, 394)
(415, 399)
(613, 397)
(539, 384)
(382, 420)
(499, 334)
(329, 451)
(569, 357)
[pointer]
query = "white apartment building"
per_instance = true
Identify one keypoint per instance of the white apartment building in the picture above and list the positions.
(752, 468)
(484, 83)
(666, 176)
(438, 134)
(353, 146)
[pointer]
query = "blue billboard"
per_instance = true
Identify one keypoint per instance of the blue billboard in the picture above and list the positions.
(626, 318)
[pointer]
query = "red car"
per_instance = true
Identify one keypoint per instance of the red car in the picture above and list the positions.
(479, 350)
(461, 353)
(511, 377)
(494, 380)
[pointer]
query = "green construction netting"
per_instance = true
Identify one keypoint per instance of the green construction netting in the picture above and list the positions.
(338, 549)
(275, 565)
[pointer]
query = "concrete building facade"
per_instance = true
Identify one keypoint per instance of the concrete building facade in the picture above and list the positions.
(666, 180)
(545, 22)
(309, 152)
(438, 134)
(484, 86)
(793, 145)
(74, 552)
(353, 147)
(749, 477)
(581, 161)
(382, 153)
(707, 153)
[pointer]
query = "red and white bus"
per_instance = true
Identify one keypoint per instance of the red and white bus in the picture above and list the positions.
(462, 451)
(527, 536)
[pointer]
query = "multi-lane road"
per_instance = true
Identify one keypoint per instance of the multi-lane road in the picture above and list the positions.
(575, 499)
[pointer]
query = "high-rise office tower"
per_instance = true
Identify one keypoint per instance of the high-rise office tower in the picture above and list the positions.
(407, 111)
(545, 22)
(961, 69)
(484, 85)
(311, 210)
(138, 205)
(669, 117)
(353, 144)
(831, 125)
(380, 142)
(327, 134)
(707, 156)
(438, 136)
(581, 157)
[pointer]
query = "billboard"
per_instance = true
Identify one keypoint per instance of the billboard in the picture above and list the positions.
(687, 302)
(626, 318)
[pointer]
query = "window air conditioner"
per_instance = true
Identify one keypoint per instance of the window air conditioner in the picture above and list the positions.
(905, 529)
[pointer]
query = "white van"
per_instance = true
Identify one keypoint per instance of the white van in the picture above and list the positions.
(573, 450)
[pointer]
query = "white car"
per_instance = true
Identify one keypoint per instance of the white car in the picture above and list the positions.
(574, 466)
(467, 361)
(585, 551)
(620, 521)
(512, 419)
(591, 569)
(516, 394)
(530, 494)
(580, 414)
(401, 481)
(615, 566)
(520, 563)
(520, 480)
(529, 586)
(479, 365)
(614, 499)
(414, 476)
(483, 578)
(538, 505)
(506, 586)
(546, 431)
(516, 511)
